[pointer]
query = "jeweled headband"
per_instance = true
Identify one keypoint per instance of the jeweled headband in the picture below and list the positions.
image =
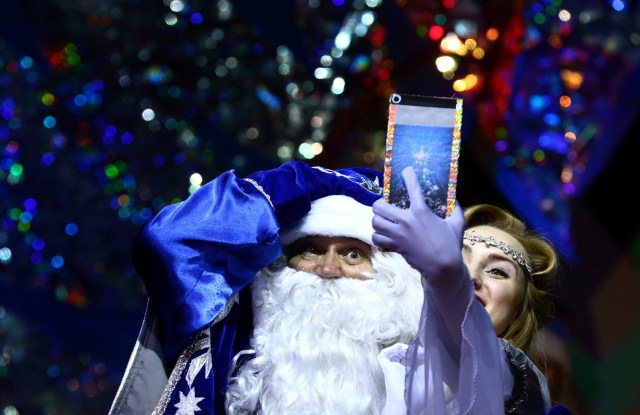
(474, 237)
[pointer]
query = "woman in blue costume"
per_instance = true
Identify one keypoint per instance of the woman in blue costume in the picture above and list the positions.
(484, 274)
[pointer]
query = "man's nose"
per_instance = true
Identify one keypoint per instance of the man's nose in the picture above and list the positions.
(328, 266)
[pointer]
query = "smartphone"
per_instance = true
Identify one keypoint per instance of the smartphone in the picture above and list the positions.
(423, 132)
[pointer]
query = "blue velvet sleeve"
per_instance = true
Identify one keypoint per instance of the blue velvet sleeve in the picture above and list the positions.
(195, 255)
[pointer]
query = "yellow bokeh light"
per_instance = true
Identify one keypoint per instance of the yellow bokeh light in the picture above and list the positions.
(459, 85)
(570, 136)
(465, 84)
(470, 44)
(567, 175)
(451, 43)
(478, 53)
(565, 101)
(571, 79)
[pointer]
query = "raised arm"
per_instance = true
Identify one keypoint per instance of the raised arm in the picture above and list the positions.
(456, 364)
(431, 245)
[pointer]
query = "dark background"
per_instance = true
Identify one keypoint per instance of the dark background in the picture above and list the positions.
(233, 86)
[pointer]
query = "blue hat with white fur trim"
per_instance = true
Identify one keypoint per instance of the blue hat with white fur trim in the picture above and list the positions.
(335, 215)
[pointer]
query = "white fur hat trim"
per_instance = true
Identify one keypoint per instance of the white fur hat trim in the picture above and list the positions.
(335, 215)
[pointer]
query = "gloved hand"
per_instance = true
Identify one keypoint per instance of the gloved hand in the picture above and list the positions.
(292, 187)
(430, 244)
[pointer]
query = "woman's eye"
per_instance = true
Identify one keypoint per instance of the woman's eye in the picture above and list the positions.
(500, 272)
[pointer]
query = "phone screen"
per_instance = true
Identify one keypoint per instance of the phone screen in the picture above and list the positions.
(423, 132)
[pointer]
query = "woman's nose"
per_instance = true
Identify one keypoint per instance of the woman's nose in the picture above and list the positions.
(477, 282)
(474, 272)
(328, 266)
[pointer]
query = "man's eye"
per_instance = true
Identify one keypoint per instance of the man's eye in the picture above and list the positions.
(309, 249)
(354, 254)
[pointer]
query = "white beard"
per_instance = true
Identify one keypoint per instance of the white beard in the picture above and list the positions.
(317, 340)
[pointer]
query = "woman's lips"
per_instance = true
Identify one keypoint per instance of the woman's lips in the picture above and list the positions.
(480, 299)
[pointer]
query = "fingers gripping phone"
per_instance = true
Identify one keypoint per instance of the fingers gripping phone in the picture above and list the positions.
(423, 132)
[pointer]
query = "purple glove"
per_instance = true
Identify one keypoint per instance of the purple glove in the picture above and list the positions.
(433, 246)
(430, 244)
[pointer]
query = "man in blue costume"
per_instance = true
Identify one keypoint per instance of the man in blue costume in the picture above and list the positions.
(217, 339)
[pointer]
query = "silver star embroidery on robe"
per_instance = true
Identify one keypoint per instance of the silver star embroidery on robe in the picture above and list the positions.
(188, 405)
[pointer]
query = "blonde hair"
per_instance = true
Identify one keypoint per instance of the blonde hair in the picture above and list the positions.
(537, 306)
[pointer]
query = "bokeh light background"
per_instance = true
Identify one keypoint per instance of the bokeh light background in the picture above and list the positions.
(110, 110)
